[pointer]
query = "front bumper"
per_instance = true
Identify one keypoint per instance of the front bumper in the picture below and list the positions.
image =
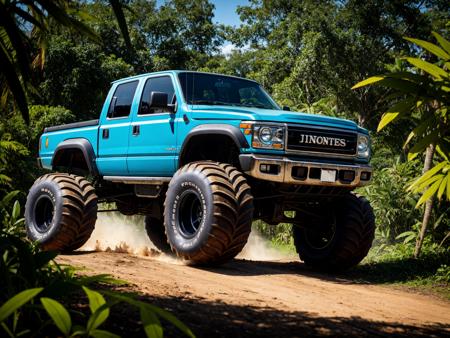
(285, 170)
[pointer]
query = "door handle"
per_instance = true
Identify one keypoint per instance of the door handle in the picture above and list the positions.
(136, 130)
(105, 133)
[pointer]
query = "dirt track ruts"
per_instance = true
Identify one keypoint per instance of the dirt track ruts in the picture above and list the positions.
(251, 298)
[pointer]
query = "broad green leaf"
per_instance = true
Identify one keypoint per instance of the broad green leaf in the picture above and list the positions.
(441, 149)
(172, 319)
(428, 193)
(432, 48)
(448, 190)
(442, 186)
(416, 78)
(368, 81)
(420, 129)
(445, 44)
(428, 67)
(429, 173)
(16, 210)
(394, 112)
(151, 323)
(95, 299)
(404, 86)
(103, 334)
(58, 313)
(422, 144)
(405, 234)
(17, 301)
(98, 317)
(425, 184)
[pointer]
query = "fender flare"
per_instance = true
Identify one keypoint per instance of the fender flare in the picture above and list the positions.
(84, 146)
(232, 132)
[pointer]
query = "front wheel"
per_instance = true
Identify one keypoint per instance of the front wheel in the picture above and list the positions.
(208, 212)
(338, 236)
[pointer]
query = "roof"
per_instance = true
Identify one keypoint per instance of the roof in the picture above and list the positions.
(174, 72)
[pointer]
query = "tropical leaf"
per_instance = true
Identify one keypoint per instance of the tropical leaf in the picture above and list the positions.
(443, 186)
(17, 301)
(422, 144)
(98, 317)
(428, 174)
(429, 193)
(445, 44)
(58, 313)
(432, 48)
(103, 334)
(151, 323)
(428, 67)
(369, 81)
(395, 112)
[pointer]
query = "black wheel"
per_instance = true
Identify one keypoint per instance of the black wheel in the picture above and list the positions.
(339, 236)
(208, 212)
(60, 212)
(156, 232)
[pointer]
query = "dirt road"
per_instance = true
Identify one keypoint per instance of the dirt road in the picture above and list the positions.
(271, 298)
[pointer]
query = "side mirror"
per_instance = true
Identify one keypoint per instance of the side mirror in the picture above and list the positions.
(286, 108)
(158, 100)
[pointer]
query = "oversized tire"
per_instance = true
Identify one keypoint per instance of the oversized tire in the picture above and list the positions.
(342, 237)
(208, 212)
(61, 211)
(156, 232)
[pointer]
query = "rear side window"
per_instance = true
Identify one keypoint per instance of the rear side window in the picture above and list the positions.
(120, 105)
(161, 84)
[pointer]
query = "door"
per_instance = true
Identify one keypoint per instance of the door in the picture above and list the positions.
(115, 127)
(152, 141)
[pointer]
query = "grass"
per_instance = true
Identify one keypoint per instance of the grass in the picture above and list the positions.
(394, 264)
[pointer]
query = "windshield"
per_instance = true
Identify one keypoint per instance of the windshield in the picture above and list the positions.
(210, 89)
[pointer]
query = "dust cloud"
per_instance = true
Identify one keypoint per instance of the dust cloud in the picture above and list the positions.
(115, 232)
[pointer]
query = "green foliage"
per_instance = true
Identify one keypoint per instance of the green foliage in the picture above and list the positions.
(99, 313)
(279, 234)
(423, 91)
(443, 274)
(26, 272)
(393, 207)
(395, 264)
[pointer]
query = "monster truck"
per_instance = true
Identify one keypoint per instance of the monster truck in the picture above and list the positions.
(201, 156)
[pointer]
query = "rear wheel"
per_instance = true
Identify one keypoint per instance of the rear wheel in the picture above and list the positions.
(208, 212)
(61, 211)
(157, 235)
(339, 236)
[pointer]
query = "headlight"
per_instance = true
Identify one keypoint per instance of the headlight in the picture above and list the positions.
(268, 137)
(265, 135)
(363, 146)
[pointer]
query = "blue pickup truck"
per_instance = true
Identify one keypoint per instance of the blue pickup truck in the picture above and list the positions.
(202, 155)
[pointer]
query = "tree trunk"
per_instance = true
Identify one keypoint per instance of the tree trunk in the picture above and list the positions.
(428, 204)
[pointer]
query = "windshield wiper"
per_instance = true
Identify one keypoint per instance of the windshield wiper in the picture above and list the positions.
(254, 106)
(212, 103)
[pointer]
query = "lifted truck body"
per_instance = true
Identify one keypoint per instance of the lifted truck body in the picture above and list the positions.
(291, 160)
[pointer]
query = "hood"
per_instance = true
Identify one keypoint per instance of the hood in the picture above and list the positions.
(201, 112)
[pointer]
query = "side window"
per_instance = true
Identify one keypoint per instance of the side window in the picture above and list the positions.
(120, 105)
(156, 84)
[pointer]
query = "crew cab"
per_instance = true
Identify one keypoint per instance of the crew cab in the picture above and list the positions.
(202, 155)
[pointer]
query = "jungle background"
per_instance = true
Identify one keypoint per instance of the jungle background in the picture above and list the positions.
(307, 54)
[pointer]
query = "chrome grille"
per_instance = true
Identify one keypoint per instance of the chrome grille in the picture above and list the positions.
(321, 140)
